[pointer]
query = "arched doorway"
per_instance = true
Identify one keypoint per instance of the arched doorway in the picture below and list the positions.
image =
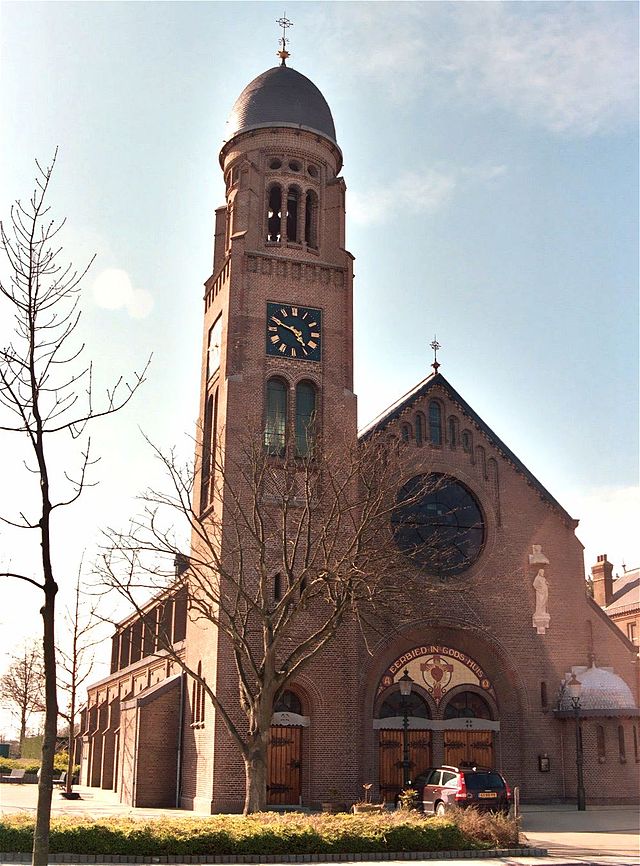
(465, 742)
(284, 753)
(389, 722)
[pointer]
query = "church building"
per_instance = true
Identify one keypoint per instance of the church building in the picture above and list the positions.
(504, 622)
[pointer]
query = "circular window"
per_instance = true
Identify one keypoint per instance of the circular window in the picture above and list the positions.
(275, 163)
(294, 166)
(438, 523)
(313, 171)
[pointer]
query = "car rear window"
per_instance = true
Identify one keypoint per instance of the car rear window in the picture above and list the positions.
(480, 781)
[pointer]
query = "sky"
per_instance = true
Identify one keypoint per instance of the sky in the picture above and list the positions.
(492, 174)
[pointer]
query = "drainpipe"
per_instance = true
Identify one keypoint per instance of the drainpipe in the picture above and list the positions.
(180, 723)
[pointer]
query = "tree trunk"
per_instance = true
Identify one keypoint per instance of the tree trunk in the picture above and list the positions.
(255, 766)
(45, 785)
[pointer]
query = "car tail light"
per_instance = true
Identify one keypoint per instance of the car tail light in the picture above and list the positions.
(506, 784)
(462, 793)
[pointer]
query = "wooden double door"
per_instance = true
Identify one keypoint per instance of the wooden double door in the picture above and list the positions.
(468, 747)
(390, 749)
(284, 763)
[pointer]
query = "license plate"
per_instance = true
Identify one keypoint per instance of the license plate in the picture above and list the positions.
(487, 794)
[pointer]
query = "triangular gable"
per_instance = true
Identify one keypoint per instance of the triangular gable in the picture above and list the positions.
(421, 390)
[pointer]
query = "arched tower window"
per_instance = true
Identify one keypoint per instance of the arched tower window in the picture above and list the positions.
(406, 432)
(275, 428)
(435, 423)
(467, 442)
(419, 428)
(311, 219)
(208, 450)
(306, 418)
(293, 209)
(274, 214)
(277, 586)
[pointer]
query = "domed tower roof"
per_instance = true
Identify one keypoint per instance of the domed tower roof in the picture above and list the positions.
(281, 97)
(602, 689)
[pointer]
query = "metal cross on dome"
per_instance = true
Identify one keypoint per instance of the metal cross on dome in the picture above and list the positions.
(285, 24)
(435, 345)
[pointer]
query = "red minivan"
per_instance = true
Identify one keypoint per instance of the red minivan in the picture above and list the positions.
(447, 786)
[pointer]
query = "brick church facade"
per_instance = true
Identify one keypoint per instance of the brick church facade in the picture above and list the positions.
(502, 623)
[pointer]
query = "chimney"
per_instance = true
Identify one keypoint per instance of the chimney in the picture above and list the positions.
(602, 574)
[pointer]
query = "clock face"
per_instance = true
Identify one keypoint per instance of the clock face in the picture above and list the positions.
(294, 332)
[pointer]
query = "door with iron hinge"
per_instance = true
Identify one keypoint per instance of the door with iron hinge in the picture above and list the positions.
(468, 748)
(284, 762)
(390, 750)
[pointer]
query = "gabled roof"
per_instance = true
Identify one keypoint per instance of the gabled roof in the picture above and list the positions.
(422, 389)
(626, 593)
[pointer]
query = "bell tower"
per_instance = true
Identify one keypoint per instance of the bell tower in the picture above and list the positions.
(277, 360)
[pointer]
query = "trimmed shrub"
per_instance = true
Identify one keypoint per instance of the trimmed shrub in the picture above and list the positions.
(267, 833)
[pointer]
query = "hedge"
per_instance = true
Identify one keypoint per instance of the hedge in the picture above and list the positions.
(265, 833)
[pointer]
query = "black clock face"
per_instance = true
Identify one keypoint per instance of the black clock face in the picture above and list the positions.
(294, 332)
(438, 523)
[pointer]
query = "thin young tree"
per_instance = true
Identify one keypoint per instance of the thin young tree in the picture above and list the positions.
(320, 521)
(46, 393)
(75, 662)
(22, 686)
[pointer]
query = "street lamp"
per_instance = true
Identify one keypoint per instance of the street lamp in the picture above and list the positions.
(574, 687)
(405, 682)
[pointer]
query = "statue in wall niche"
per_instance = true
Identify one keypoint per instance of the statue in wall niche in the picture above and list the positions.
(537, 557)
(541, 617)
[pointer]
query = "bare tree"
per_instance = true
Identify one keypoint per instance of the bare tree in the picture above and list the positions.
(22, 686)
(75, 662)
(45, 393)
(284, 550)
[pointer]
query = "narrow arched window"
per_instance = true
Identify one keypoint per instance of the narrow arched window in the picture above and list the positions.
(419, 429)
(636, 751)
(275, 429)
(293, 206)
(205, 474)
(544, 701)
(600, 743)
(277, 586)
(453, 432)
(311, 219)
(467, 442)
(406, 432)
(306, 419)
(274, 214)
(435, 423)
(621, 745)
(481, 460)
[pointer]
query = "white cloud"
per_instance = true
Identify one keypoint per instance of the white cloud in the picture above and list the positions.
(112, 289)
(568, 67)
(414, 192)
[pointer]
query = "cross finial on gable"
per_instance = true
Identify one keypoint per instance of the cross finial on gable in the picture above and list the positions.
(435, 345)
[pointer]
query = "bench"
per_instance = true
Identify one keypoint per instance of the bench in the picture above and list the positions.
(62, 781)
(15, 776)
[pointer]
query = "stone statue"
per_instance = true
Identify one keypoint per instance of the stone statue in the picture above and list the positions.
(541, 617)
